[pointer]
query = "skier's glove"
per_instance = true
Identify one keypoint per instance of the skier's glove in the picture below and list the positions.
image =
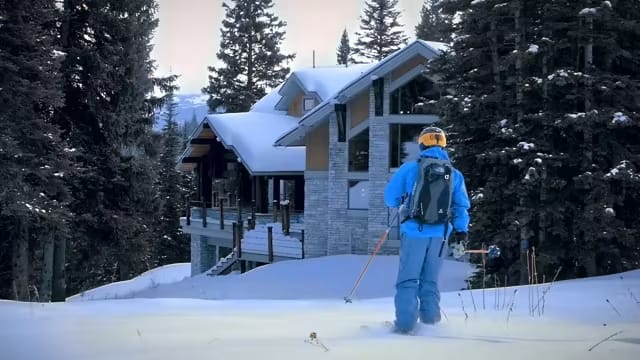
(403, 212)
(460, 237)
(458, 244)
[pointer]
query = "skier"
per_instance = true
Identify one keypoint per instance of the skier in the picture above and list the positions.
(426, 224)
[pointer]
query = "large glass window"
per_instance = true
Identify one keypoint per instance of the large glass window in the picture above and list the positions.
(358, 194)
(359, 152)
(418, 96)
(403, 143)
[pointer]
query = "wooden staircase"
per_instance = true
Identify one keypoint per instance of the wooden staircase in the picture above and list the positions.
(224, 264)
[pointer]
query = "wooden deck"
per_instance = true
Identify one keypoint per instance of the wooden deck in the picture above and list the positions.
(255, 245)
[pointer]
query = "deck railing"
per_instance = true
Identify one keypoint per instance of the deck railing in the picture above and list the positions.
(225, 214)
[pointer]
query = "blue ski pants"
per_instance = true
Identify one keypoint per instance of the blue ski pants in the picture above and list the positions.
(417, 293)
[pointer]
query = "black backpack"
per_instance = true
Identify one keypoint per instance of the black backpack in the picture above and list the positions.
(432, 192)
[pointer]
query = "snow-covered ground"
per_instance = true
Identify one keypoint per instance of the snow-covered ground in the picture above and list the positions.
(163, 275)
(270, 312)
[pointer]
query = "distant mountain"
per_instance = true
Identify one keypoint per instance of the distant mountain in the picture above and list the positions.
(188, 105)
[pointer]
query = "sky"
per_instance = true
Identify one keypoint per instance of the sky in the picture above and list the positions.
(188, 36)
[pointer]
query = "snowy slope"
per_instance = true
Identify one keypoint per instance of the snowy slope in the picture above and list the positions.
(163, 275)
(578, 317)
(317, 278)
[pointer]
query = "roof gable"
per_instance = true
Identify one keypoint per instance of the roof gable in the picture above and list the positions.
(427, 49)
(319, 82)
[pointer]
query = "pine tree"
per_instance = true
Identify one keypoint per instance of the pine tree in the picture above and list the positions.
(251, 36)
(33, 158)
(188, 128)
(343, 53)
(380, 30)
(538, 140)
(173, 246)
(108, 117)
(433, 23)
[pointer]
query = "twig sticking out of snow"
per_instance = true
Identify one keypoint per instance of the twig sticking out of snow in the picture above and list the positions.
(535, 277)
(484, 277)
(547, 289)
(605, 339)
(513, 300)
(466, 316)
(445, 315)
(473, 301)
(544, 279)
(504, 293)
(613, 307)
(633, 296)
(496, 295)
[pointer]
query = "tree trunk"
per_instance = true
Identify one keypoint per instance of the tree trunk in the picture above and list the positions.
(545, 71)
(250, 85)
(519, 51)
(59, 287)
(542, 217)
(589, 263)
(588, 60)
(524, 265)
(47, 268)
(495, 60)
(20, 263)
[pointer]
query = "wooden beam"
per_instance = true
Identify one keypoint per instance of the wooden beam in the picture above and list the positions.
(200, 141)
(191, 160)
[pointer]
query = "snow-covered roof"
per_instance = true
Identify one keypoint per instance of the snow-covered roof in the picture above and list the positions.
(268, 102)
(428, 49)
(324, 81)
(327, 81)
(251, 135)
(437, 46)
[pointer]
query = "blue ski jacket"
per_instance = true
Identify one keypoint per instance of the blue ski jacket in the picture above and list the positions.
(401, 184)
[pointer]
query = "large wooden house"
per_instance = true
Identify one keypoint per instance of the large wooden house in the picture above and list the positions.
(324, 142)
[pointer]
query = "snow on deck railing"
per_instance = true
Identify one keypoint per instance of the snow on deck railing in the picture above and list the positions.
(227, 215)
(270, 240)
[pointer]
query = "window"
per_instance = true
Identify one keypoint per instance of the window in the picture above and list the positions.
(378, 92)
(403, 143)
(308, 104)
(358, 194)
(359, 151)
(418, 96)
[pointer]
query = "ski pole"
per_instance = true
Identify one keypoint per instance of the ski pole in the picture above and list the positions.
(348, 298)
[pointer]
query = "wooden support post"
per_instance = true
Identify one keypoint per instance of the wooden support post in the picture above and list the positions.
(221, 214)
(302, 241)
(234, 237)
(238, 238)
(204, 213)
(276, 208)
(188, 208)
(240, 234)
(253, 214)
(270, 242)
(285, 219)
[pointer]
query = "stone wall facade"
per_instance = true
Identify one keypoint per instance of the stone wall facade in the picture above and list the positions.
(338, 241)
(330, 227)
(203, 256)
(379, 172)
(316, 203)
